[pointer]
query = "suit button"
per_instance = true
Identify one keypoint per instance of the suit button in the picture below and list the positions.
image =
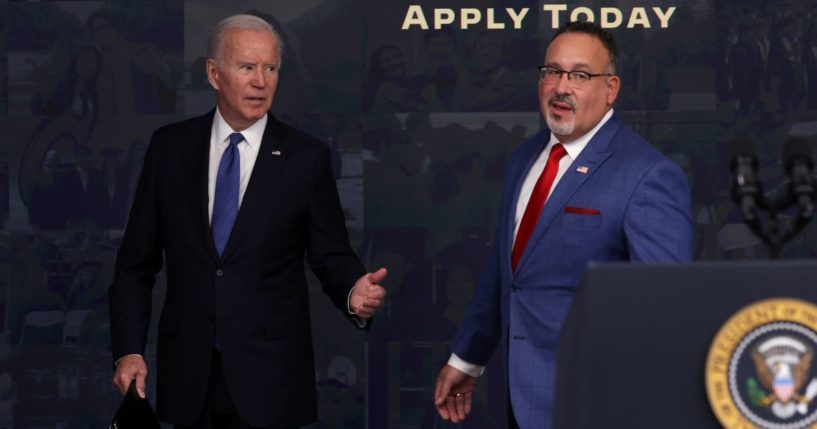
(219, 273)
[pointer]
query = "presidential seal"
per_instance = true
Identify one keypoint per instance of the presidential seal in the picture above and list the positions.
(760, 371)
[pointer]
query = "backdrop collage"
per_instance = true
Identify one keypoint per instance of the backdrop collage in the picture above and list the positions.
(421, 122)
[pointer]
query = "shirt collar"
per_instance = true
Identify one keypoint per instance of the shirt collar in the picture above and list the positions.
(575, 147)
(252, 135)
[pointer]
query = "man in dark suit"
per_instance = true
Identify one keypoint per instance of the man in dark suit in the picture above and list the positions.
(233, 201)
(586, 189)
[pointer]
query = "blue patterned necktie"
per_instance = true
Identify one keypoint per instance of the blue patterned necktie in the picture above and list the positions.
(225, 200)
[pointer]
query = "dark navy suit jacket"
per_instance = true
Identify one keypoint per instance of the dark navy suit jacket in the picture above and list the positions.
(254, 297)
(627, 203)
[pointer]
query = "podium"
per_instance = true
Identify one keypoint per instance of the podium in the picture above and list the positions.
(634, 348)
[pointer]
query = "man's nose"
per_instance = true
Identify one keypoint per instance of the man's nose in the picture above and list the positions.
(564, 86)
(258, 78)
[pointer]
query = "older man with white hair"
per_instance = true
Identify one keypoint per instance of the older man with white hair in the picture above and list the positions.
(231, 202)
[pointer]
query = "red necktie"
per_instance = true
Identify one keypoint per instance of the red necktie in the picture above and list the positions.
(536, 202)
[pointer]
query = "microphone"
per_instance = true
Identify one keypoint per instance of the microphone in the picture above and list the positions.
(797, 160)
(746, 190)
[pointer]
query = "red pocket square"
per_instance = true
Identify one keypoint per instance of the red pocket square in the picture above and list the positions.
(582, 211)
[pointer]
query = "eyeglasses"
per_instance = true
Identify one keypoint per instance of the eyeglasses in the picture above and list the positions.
(577, 78)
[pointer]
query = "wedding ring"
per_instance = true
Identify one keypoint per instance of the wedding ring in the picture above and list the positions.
(458, 395)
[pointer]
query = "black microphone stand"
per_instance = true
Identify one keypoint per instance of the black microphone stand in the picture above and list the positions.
(748, 194)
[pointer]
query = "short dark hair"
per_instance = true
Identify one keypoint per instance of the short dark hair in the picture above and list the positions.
(592, 29)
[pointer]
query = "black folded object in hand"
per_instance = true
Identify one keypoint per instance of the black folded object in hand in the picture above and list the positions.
(134, 412)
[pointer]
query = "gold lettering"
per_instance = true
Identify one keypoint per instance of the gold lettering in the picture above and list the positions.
(492, 24)
(443, 17)
(664, 16)
(554, 9)
(586, 11)
(606, 21)
(517, 17)
(469, 16)
(638, 17)
(415, 16)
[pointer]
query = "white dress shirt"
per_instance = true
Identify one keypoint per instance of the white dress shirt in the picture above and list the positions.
(573, 149)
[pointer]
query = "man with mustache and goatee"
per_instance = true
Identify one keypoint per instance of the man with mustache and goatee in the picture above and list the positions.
(586, 189)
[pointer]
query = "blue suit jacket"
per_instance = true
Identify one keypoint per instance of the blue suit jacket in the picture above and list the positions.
(632, 203)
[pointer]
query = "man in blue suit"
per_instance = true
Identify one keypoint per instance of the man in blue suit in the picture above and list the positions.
(586, 189)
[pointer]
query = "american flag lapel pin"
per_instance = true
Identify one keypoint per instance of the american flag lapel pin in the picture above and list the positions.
(582, 169)
(276, 152)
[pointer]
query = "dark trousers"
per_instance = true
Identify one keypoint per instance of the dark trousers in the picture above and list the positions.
(219, 410)
(511, 419)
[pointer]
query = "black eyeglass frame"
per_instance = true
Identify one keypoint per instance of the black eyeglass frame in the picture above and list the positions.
(571, 74)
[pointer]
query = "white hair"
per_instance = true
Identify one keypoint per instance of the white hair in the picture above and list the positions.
(215, 46)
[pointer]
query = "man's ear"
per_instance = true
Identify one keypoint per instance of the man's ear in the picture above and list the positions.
(613, 85)
(212, 73)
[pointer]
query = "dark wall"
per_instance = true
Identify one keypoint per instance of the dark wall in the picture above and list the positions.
(421, 124)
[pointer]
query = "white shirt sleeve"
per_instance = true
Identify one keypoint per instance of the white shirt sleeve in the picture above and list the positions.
(466, 367)
(123, 357)
(360, 322)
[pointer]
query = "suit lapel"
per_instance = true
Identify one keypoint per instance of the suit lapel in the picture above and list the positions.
(196, 153)
(271, 157)
(593, 156)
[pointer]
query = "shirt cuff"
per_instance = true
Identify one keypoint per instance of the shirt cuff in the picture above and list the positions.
(360, 322)
(123, 357)
(466, 367)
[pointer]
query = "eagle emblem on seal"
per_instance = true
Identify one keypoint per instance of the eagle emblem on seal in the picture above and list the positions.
(782, 365)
